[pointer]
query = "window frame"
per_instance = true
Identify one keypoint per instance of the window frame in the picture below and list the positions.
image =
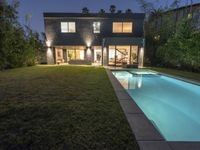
(122, 26)
(98, 23)
(68, 27)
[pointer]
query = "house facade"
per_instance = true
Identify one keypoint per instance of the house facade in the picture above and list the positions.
(104, 39)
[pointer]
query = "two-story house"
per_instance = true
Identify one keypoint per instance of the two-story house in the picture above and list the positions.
(105, 39)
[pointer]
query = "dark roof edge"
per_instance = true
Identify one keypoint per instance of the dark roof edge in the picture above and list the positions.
(108, 15)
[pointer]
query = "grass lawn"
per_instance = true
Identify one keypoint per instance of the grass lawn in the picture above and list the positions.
(185, 74)
(61, 107)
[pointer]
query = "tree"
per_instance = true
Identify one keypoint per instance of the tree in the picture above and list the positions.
(191, 4)
(18, 46)
(85, 10)
(128, 11)
(102, 11)
(145, 6)
(119, 11)
(182, 49)
(112, 9)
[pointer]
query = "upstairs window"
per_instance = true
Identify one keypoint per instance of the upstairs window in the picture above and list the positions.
(68, 27)
(122, 27)
(96, 27)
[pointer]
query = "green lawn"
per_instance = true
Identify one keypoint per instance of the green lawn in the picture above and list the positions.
(61, 107)
(184, 74)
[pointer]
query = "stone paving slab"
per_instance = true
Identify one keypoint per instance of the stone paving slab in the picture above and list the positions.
(123, 95)
(185, 145)
(143, 129)
(130, 107)
(154, 145)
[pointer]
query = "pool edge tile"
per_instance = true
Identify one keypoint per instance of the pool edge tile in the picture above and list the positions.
(143, 128)
(185, 145)
(154, 145)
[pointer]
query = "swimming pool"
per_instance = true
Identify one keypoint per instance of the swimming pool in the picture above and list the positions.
(173, 106)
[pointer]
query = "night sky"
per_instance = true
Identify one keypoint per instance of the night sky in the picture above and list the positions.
(37, 7)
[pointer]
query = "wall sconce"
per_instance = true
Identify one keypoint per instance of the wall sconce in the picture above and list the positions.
(88, 47)
(88, 43)
(48, 43)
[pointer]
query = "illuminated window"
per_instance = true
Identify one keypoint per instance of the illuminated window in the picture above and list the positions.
(117, 27)
(64, 27)
(68, 27)
(127, 27)
(96, 27)
(122, 27)
(72, 27)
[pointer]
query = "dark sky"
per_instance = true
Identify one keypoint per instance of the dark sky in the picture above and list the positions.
(37, 7)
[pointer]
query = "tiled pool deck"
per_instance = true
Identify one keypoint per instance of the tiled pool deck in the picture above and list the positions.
(146, 134)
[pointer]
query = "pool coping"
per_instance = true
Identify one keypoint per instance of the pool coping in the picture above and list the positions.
(146, 134)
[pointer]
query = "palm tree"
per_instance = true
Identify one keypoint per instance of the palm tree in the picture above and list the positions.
(85, 10)
(174, 5)
(156, 13)
(145, 6)
(119, 11)
(129, 11)
(112, 8)
(102, 11)
(191, 3)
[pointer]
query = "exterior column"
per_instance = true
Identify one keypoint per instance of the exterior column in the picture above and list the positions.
(105, 57)
(141, 57)
(88, 54)
(50, 56)
(65, 55)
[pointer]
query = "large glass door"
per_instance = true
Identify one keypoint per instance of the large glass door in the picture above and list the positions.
(75, 53)
(111, 55)
(134, 54)
(97, 55)
(122, 55)
(119, 55)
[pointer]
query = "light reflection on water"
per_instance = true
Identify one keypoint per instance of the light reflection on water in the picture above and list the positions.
(127, 80)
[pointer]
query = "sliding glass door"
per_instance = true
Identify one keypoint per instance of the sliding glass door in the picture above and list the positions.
(122, 55)
(111, 55)
(119, 55)
(75, 53)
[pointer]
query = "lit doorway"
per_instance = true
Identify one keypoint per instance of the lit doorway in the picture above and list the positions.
(97, 55)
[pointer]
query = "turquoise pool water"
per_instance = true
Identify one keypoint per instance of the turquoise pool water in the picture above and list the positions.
(172, 105)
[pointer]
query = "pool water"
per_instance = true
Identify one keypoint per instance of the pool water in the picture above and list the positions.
(173, 106)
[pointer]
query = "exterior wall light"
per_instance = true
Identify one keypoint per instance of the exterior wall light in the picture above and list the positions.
(157, 37)
(48, 43)
(88, 43)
